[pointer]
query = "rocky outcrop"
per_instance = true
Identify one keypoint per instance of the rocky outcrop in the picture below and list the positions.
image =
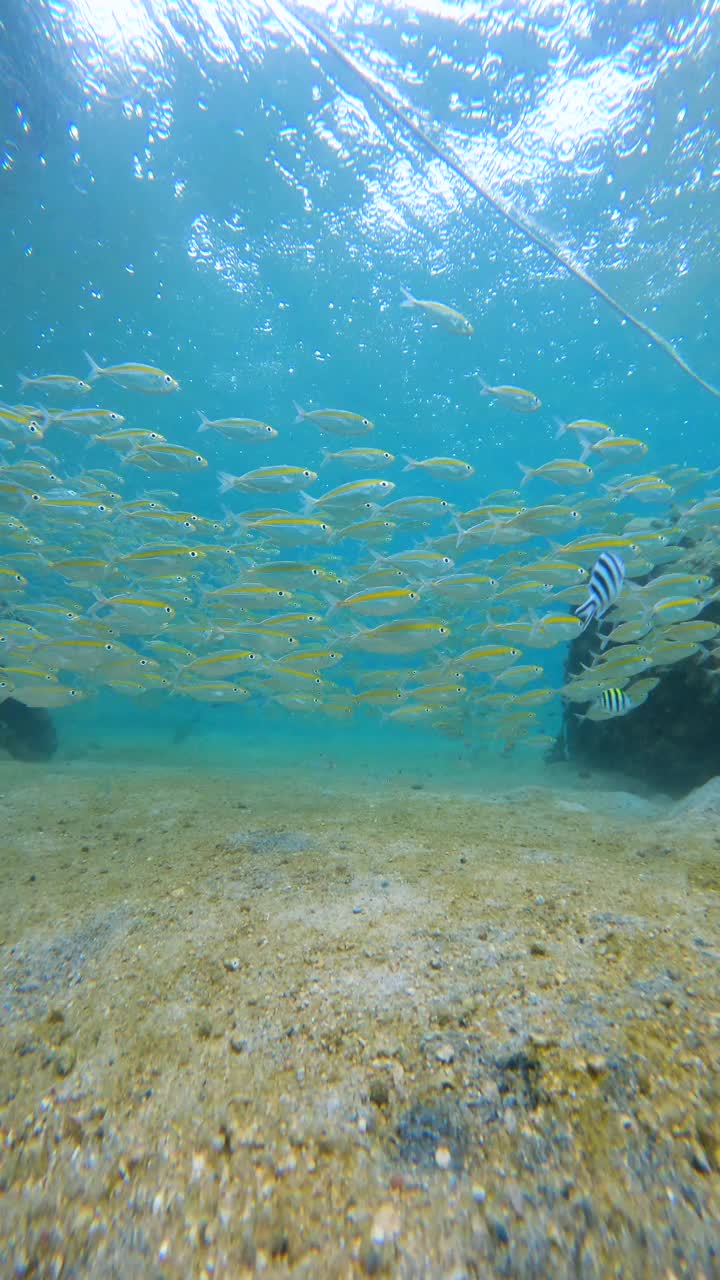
(26, 733)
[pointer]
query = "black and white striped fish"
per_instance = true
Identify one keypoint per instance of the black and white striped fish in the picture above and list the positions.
(605, 585)
(611, 703)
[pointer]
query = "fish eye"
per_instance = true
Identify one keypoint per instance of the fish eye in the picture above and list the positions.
(168, 609)
(270, 430)
(33, 427)
(366, 422)
(412, 596)
(281, 594)
(324, 527)
(384, 484)
(307, 474)
(108, 648)
(199, 457)
(193, 555)
(442, 631)
(386, 455)
(114, 417)
(168, 379)
(142, 662)
(446, 560)
(575, 515)
(291, 640)
(36, 497)
(101, 507)
(18, 577)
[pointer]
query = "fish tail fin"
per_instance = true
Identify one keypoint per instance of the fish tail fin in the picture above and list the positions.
(204, 421)
(408, 299)
(24, 380)
(227, 481)
(536, 620)
(459, 530)
(100, 600)
(484, 386)
(527, 474)
(326, 457)
(300, 412)
(95, 369)
(586, 449)
(561, 428)
(410, 463)
(308, 503)
(586, 612)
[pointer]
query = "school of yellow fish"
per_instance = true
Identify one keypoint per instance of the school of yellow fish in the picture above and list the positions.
(345, 598)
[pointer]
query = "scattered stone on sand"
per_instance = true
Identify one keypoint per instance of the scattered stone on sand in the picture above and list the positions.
(335, 1104)
(268, 842)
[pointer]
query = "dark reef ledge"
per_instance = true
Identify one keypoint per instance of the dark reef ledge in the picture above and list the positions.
(671, 742)
(26, 733)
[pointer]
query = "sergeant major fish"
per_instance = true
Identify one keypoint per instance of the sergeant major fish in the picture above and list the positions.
(606, 582)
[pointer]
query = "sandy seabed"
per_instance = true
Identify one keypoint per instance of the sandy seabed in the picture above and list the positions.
(286, 1020)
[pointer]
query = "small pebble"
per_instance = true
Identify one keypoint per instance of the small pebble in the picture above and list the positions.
(64, 1061)
(357, 911)
(232, 965)
(385, 1224)
(445, 1053)
(372, 1261)
(379, 1092)
(479, 1195)
(443, 1159)
(538, 949)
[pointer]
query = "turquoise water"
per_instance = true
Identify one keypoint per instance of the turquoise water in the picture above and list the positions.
(213, 193)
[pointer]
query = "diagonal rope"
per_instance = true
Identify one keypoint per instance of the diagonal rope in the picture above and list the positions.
(543, 241)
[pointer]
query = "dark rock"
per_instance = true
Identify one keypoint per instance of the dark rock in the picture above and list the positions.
(518, 1079)
(26, 733)
(425, 1126)
(671, 741)
(379, 1093)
